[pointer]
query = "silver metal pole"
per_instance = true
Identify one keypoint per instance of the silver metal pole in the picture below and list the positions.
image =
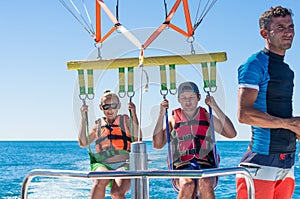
(139, 161)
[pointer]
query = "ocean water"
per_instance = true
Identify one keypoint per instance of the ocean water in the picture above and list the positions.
(18, 158)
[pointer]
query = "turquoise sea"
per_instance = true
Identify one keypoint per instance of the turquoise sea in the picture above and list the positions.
(17, 158)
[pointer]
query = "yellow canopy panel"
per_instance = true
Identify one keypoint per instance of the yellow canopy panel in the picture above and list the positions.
(148, 61)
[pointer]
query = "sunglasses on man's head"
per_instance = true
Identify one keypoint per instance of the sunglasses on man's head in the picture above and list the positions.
(108, 106)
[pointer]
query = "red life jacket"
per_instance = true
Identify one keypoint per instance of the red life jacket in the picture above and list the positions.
(190, 139)
(113, 137)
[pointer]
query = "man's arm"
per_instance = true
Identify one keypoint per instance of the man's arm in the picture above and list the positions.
(159, 138)
(249, 115)
(222, 124)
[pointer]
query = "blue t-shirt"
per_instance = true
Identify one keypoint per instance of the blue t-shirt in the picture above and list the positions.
(271, 76)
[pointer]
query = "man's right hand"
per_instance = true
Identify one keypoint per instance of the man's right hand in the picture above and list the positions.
(164, 105)
(293, 124)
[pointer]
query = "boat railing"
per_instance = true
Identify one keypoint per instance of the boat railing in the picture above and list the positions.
(139, 174)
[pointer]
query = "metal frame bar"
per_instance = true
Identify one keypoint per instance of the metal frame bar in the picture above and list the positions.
(138, 174)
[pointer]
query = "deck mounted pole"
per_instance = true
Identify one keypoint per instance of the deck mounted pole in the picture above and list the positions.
(139, 161)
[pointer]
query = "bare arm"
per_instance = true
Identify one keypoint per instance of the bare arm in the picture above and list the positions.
(135, 122)
(159, 138)
(249, 115)
(82, 135)
(222, 124)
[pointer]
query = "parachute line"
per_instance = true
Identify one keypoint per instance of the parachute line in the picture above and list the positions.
(166, 8)
(208, 6)
(82, 21)
(88, 16)
(79, 13)
(117, 10)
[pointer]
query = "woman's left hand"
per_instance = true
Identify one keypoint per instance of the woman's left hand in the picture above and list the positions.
(131, 107)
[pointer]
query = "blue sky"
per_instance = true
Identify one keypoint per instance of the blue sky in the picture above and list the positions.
(38, 94)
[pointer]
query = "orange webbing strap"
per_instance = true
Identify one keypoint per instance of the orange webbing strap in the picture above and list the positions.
(100, 4)
(98, 22)
(167, 22)
(117, 25)
(157, 32)
(190, 29)
(177, 29)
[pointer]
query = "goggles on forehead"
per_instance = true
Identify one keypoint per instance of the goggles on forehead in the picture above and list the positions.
(108, 106)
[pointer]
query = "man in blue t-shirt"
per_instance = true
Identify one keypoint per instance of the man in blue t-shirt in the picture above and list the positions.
(265, 103)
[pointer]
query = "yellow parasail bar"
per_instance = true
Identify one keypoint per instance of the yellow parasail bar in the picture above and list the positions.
(148, 61)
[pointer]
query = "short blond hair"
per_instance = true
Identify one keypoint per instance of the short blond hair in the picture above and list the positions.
(107, 94)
